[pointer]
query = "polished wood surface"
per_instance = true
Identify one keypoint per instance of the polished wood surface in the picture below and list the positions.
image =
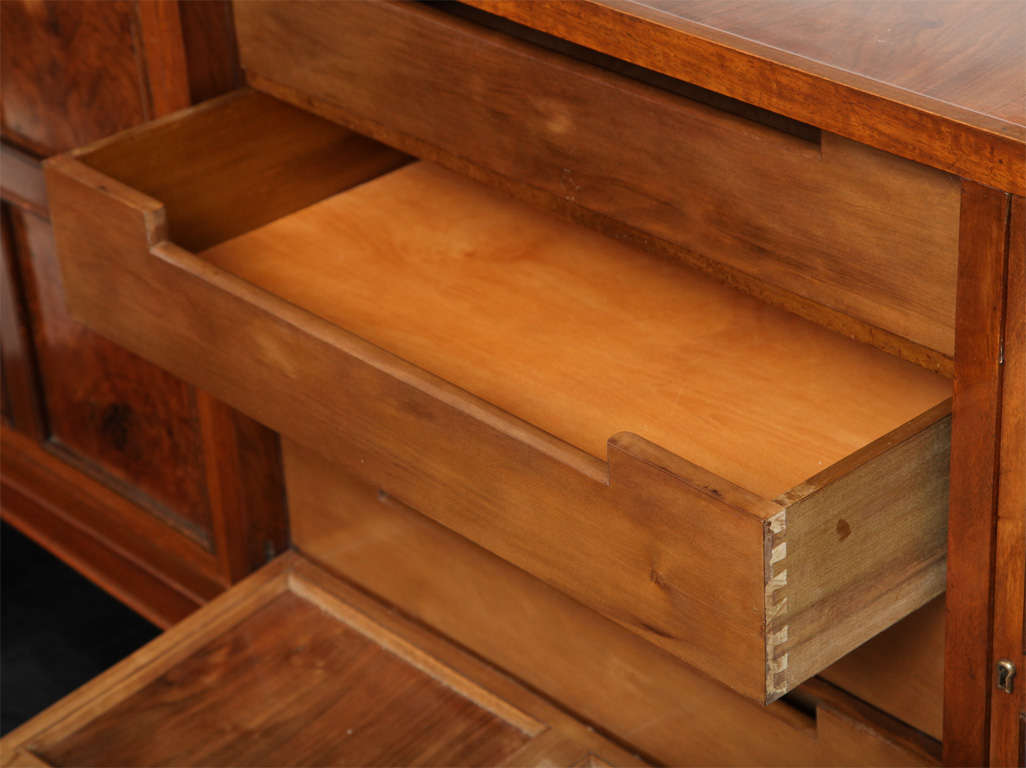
(163, 55)
(800, 222)
(975, 457)
(498, 479)
(198, 479)
(578, 335)
(71, 72)
(938, 82)
(661, 707)
(1007, 744)
(966, 53)
(293, 667)
(139, 426)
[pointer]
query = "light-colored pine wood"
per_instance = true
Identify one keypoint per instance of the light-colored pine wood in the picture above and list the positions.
(577, 334)
(242, 179)
(662, 533)
(853, 556)
(616, 680)
(294, 666)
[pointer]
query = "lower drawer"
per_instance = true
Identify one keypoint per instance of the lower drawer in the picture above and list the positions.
(772, 494)
(651, 701)
(293, 667)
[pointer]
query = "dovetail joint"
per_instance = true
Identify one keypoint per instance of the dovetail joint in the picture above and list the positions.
(776, 607)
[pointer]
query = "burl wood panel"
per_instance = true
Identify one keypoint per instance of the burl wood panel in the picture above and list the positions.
(115, 412)
(936, 81)
(290, 685)
(71, 71)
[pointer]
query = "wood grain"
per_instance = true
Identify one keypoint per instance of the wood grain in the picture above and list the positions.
(937, 82)
(292, 667)
(901, 670)
(661, 707)
(292, 160)
(139, 427)
(722, 190)
(974, 469)
(337, 699)
(71, 72)
(477, 468)
(846, 564)
(245, 486)
(1006, 738)
(163, 55)
(557, 324)
(125, 550)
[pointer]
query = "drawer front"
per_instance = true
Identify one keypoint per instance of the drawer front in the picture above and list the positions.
(587, 663)
(758, 591)
(852, 237)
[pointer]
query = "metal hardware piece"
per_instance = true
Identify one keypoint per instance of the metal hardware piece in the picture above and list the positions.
(1005, 675)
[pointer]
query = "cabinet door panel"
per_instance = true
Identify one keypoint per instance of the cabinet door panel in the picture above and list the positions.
(114, 412)
(71, 72)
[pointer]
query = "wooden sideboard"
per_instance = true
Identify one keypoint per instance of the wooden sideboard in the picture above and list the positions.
(669, 356)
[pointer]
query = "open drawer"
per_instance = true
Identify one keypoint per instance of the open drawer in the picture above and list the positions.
(749, 491)
(294, 667)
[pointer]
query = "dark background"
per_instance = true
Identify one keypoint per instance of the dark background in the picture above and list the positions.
(57, 629)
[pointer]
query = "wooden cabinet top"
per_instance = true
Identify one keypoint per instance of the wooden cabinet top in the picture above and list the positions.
(942, 82)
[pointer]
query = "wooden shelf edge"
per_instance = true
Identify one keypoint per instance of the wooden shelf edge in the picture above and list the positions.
(44, 513)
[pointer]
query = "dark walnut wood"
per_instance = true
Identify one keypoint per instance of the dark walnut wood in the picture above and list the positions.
(22, 407)
(111, 410)
(975, 457)
(1006, 734)
(208, 33)
(938, 82)
(70, 72)
(168, 479)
